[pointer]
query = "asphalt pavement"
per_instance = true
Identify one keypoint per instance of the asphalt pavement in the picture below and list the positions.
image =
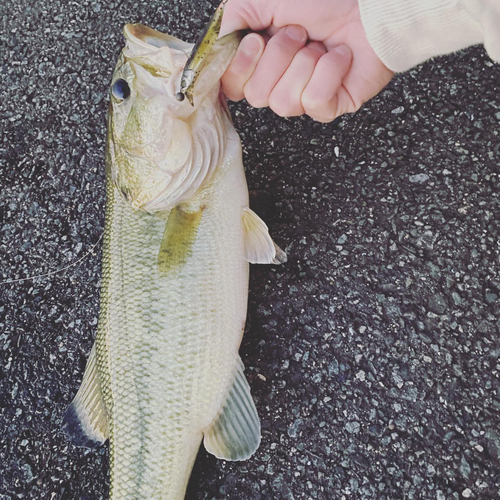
(373, 354)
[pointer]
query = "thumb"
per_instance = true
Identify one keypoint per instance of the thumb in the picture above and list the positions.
(255, 15)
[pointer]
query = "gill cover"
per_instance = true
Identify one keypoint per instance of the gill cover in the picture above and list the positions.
(160, 150)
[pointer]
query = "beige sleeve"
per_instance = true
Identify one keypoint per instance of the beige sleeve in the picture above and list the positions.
(405, 33)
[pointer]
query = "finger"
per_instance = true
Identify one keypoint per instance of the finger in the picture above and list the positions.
(275, 60)
(242, 66)
(324, 99)
(246, 14)
(285, 98)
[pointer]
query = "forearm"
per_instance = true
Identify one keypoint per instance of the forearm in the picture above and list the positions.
(406, 33)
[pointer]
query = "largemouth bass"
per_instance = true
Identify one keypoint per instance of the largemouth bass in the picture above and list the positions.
(164, 373)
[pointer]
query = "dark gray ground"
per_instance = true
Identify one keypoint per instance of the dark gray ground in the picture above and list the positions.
(372, 354)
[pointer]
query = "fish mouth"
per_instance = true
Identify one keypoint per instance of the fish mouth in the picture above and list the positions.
(157, 52)
(146, 36)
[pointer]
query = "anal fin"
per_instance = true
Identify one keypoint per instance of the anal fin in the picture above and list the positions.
(86, 419)
(235, 433)
(259, 246)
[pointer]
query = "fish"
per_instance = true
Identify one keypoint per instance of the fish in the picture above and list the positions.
(164, 374)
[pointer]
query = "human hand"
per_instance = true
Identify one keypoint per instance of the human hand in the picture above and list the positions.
(309, 57)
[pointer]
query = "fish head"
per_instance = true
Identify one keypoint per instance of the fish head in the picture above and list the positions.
(160, 151)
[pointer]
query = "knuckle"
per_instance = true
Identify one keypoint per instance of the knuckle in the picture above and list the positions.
(326, 116)
(321, 111)
(232, 91)
(279, 110)
(282, 105)
(233, 96)
(311, 104)
(255, 98)
(322, 119)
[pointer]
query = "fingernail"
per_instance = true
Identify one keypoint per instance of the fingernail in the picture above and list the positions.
(297, 33)
(343, 50)
(250, 45)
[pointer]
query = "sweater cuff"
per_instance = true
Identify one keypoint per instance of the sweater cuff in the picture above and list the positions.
(406, 33)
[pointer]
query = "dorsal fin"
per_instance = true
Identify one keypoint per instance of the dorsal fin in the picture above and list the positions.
(259, 246)
(178, 238)
(86, 419)
(235, 433)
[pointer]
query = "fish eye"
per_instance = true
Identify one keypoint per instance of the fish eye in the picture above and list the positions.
(120, 89)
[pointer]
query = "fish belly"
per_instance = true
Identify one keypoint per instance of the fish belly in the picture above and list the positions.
(167, 345)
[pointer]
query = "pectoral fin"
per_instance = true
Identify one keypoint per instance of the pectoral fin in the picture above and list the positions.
(235, 433)
(259, 246)
(178, 238)
(86, 419)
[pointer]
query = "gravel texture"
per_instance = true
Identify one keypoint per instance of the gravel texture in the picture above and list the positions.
(373, 354)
